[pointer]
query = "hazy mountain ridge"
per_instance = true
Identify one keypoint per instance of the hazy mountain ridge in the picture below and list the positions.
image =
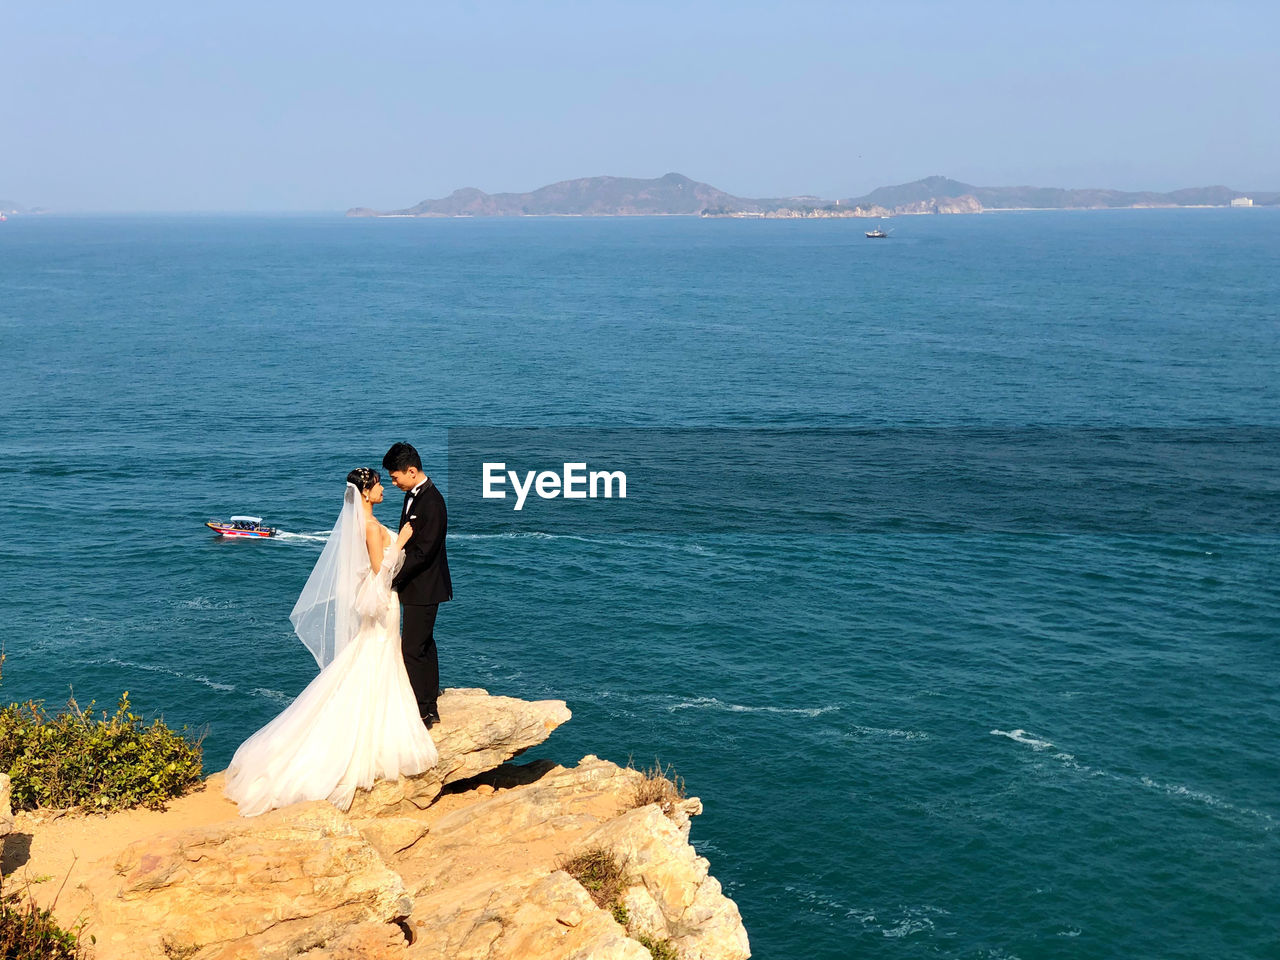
(671, 195)
(677, 195)
(1051, 198)
(11, 208)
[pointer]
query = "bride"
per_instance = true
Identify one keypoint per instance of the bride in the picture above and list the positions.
(357, 721)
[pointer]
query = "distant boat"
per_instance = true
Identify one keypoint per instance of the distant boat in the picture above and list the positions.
(241, 527)
(877, 234)
(3, 218)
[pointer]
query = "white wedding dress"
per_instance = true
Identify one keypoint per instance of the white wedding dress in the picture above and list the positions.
(355, 723)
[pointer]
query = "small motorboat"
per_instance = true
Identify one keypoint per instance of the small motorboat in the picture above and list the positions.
(241, 527)
(876, 234)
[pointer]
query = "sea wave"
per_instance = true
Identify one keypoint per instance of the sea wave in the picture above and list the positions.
(535, 535)
(712, 703)
(672, 703)
(1069, 761)
(276, 695)
(891, 733)
(908, 926)
(1021, 736)
(205, 603)
(894, 922)
(667, 543)
(1208, 799)
(155, 668)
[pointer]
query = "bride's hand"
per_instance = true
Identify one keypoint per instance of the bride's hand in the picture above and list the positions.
(405, 533)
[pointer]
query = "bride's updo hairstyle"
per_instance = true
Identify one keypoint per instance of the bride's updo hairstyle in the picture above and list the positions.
(364, 478)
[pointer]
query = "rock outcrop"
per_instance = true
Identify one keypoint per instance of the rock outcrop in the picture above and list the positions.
(539, 824)
(479, 733)
(272, 887)
(672, 895)
(6, 806)
(962, 204)
(465, 862)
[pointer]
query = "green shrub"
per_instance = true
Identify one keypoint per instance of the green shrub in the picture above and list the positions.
(30, 933)
(658, 949)
(74, 759)
(601, 872)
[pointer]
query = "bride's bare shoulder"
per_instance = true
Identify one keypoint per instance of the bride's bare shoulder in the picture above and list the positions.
(374, 529)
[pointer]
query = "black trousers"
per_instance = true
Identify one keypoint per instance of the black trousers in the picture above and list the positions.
(418, 644)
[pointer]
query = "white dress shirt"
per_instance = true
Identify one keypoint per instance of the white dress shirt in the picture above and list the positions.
(413, 494)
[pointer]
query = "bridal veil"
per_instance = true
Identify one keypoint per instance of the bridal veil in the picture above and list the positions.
(325, 617)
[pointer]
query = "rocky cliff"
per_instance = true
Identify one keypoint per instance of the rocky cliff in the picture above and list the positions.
(464, 862)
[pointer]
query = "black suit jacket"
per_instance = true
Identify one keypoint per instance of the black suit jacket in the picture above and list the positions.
(424, 578)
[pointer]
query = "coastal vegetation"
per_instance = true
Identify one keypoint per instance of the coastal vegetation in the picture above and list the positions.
(661, 785)
(29, 932)
(99, 762)
(484, 867)
(658, 949)
(603, 874)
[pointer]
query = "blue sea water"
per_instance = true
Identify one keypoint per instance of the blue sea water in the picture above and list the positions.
(973, 744)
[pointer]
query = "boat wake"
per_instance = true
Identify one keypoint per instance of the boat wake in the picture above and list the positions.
(320, 536)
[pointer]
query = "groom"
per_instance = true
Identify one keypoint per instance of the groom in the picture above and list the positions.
(423, 582)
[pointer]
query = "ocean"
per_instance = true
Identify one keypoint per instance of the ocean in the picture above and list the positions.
(986, 728)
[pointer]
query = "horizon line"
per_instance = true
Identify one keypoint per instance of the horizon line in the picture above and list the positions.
(50, 211)
(341, 214)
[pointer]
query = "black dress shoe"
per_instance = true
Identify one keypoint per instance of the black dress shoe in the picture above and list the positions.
(431, 719)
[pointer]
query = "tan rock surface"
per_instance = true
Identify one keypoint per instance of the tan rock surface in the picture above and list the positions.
(476, 733)
(268, 886)
(391, 835)
(672, 891)
(472, 858)
(364, 941)
(526, 830)
(66, 846)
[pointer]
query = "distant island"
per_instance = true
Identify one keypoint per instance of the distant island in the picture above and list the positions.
(13, 209)
(675, 195)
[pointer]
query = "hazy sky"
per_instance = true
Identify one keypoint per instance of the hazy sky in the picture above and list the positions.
(292, 105)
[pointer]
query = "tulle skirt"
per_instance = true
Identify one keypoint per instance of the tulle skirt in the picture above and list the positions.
(355, 723)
